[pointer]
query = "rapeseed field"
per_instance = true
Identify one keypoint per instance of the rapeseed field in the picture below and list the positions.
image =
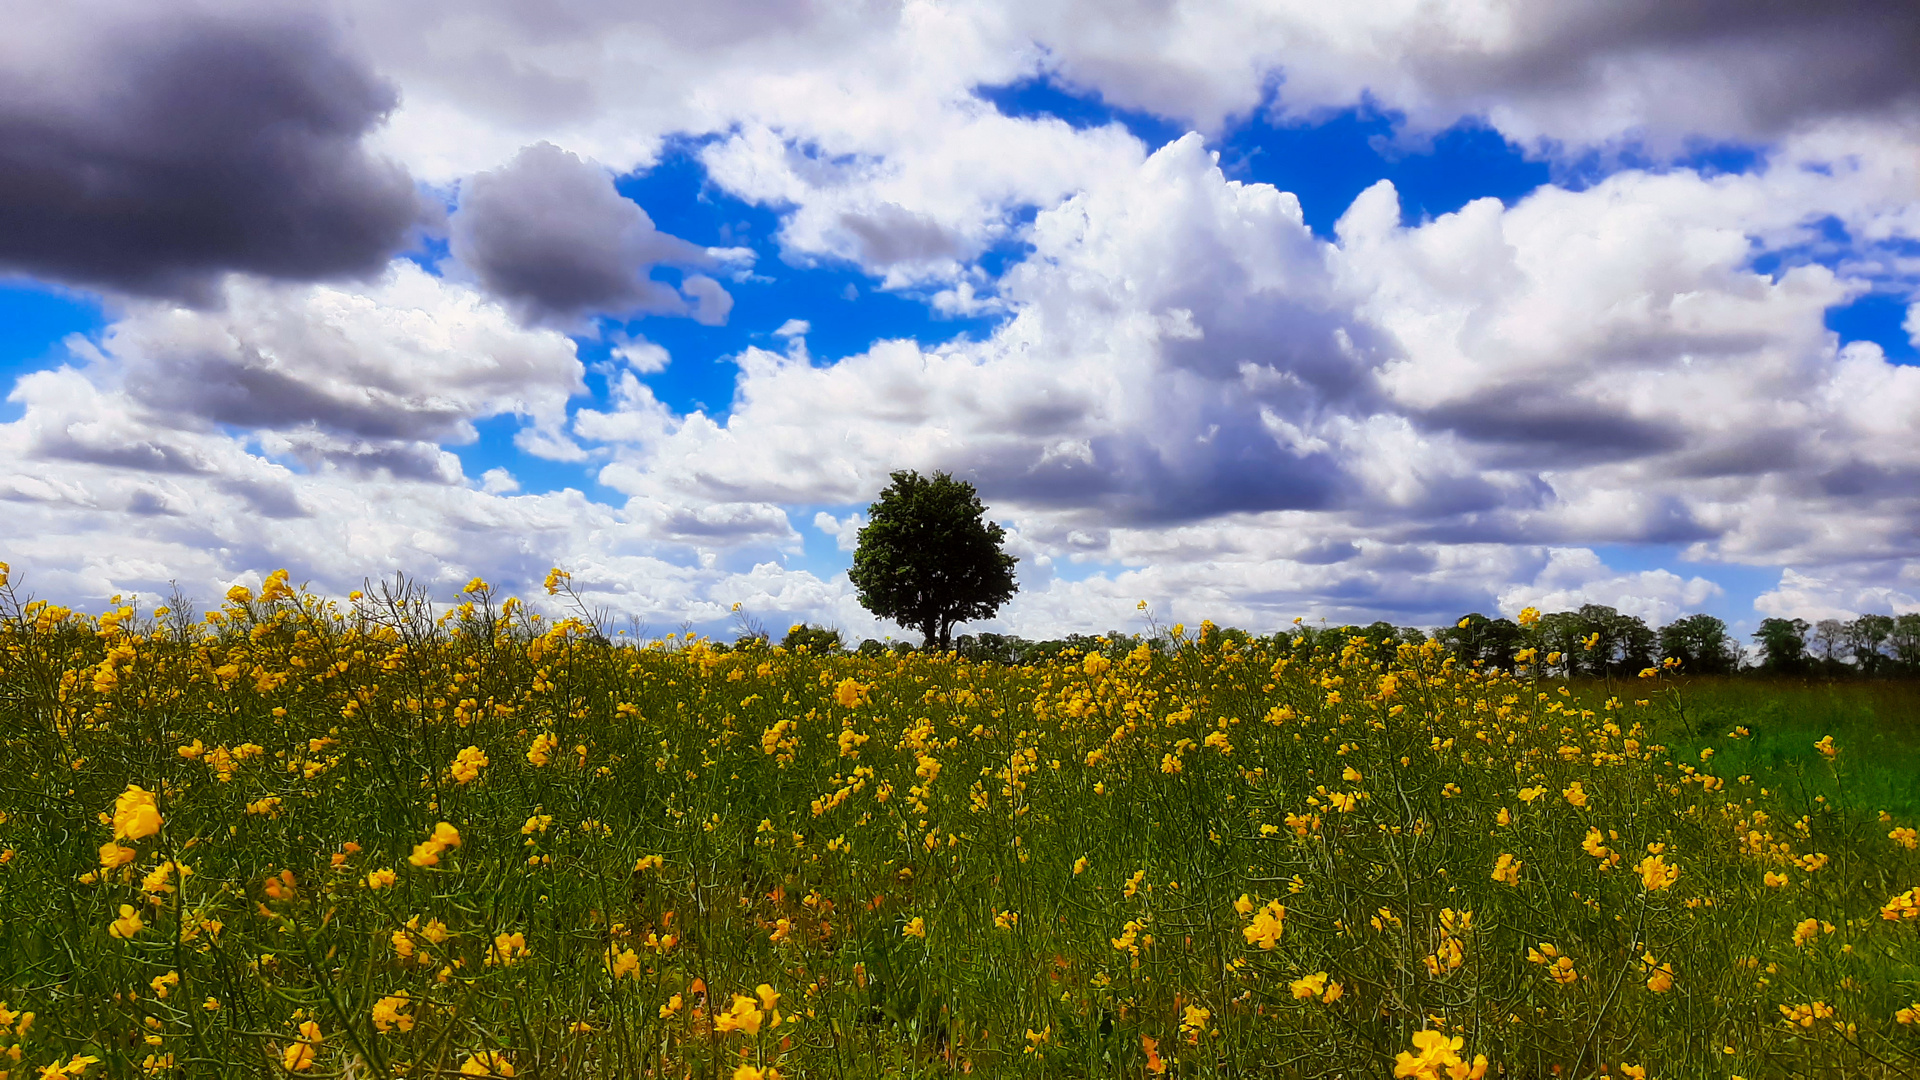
(383, 838)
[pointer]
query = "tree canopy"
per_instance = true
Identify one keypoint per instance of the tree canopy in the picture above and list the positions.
(929, 559)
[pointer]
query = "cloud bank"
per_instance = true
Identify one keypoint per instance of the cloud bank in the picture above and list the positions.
(1184, 395)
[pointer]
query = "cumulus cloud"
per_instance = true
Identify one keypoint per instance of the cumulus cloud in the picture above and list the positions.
(411, 361)
(1192, 380)
(117, 479)
(1191, 398)
(155, 152)
(1166, 326)
(1576, 576)
(549, 234)
(845, 531)
(862, 123)
(1583, 72)
(1843, 591)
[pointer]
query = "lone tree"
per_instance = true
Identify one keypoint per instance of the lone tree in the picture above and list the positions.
(928, 559)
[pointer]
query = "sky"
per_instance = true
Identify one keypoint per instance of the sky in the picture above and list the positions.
(1251, 311)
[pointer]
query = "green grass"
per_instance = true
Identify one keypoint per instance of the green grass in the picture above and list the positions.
(1876, 721)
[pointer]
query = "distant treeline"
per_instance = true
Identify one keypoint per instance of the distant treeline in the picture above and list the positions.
(1595, 640)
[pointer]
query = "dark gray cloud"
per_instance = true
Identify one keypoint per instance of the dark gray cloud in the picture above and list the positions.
(162, 154)
(246, 392)
(891, 234)
(550, 234)
(1761, 65)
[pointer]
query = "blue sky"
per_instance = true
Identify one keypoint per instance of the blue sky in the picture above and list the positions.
(862, 230)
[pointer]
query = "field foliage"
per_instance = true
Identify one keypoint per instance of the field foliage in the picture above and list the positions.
(383, 838)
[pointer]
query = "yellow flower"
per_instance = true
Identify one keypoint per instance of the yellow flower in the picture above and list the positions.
(1080, 866)
(916, 927)
(134, 815)
(389, 1013)
(74, 1067)
(467, 764)
(540, 754)
(128, 924)
(1659, 975)
(1559, 968)
(1575, 794)
(1528, 618)
(298, 1057)
(380, 879)
(1805, 1015)
(1267, 925)
(1633, 1072)
(622, 964)
(1655, 874)
(751, 1072)
(507, 948)
(428, 851)
(1527, 795)
(1194, 1022)
(743, 1015)
(1826, 747)
(113, 856)
(672, 1006)
(1775, 881)
(1308, 986)
(487, 1063)
(849, 693)
(1436, 1057)
(1506, 870)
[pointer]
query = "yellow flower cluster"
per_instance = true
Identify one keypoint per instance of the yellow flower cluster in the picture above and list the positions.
(427, 852)
(875, 842)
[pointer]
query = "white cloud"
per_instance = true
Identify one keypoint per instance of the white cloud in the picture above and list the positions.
(863, 120)
(498, 481)
(413, 358)
(845, 532)
(1191, 395)
(1576, 576)
(1191, 380)
(1842, 592)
